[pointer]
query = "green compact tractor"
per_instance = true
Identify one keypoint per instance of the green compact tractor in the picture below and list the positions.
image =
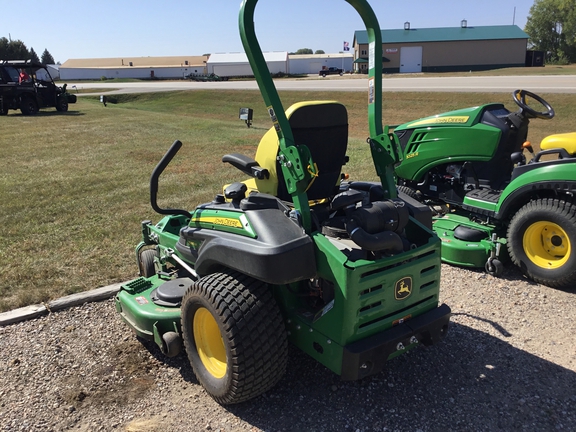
(469, 166)
(346, 271)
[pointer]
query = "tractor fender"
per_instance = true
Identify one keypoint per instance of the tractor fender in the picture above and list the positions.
(547, 178)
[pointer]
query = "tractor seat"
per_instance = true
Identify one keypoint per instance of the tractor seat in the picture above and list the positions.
(322, 126)
(567, 141)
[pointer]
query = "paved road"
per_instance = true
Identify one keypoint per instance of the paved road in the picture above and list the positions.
(505, 84)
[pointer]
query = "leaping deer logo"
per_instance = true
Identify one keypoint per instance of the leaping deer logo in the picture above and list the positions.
(403, 288)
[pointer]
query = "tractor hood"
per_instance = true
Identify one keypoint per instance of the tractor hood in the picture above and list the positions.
(466, 116)
(469, 134)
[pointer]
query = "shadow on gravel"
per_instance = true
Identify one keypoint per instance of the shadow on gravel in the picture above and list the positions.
(471, 381)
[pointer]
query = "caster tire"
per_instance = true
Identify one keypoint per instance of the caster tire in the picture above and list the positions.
(172, 344)
(147, 268)
(494, 267)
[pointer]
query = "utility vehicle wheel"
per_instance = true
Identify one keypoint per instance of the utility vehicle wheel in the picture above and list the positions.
(541, 238)
(3, 111)
(147, 268)
(62, 105)
(234, 336)
(28, 106)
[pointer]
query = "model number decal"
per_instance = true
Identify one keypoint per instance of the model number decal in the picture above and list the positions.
(411, 155)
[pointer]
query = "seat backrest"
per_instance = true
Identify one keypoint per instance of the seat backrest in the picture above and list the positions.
(322, 126)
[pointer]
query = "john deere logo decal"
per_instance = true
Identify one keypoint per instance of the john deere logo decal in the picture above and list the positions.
(403, 288)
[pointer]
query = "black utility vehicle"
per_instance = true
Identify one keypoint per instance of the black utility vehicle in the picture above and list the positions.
(27, 86)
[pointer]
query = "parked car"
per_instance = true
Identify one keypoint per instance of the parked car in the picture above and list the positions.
(210, 77)
(27, 86)
(331, 71)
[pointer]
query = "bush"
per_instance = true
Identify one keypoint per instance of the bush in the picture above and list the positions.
(103, 78)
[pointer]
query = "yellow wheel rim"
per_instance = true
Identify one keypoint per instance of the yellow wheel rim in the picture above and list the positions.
(209, 343)
(547, 245)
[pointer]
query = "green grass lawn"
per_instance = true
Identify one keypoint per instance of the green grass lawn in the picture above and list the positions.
(74, 186)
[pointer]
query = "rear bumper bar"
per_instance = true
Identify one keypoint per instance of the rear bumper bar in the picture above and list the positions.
(368, 356)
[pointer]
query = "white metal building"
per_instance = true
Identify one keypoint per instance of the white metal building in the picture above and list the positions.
(236, 64)
(313, 63)
(134, 67)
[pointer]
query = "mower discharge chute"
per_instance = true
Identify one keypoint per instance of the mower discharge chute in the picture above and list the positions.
(490, 204)
(346, 271)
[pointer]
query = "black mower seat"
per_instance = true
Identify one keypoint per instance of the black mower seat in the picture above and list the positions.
(322, 126)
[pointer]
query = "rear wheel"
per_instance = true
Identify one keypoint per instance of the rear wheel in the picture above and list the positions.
(412, 193)
(3, 109)
(541, 240)
(28, 106)
(234, 336)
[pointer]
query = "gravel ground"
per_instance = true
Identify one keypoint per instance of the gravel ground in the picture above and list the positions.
(508, 363)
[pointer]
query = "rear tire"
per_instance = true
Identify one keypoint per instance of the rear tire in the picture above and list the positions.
(542, 240)
(410, 192)
(28, 106)
(3, 107)
(234, 336)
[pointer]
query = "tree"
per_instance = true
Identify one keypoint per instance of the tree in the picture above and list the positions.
(47, 57)
(304, 51)
(319, 52)
(33, 56)
(551, 26)
(13, 50)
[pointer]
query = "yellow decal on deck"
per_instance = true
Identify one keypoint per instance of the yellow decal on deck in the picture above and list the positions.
(441, 120)
(411, 155)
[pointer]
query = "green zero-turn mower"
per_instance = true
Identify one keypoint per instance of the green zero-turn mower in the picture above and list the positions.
(469, 166)
(346, 271)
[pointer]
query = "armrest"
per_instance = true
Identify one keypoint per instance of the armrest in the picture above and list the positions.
(247, 165)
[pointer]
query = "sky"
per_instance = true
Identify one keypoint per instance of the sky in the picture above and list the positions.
(73, 29)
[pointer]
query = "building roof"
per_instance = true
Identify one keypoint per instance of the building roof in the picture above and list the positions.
(445, 34)
(319, 56)
(174, 61)
(274, 56)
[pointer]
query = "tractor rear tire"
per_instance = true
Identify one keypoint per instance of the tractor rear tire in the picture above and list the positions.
(412, 193)
(542, 242)
(234, 336)
(147, 268)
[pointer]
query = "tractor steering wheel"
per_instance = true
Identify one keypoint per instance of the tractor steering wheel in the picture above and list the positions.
(520, 99)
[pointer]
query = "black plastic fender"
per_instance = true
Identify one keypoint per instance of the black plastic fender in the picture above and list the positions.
(280, 254)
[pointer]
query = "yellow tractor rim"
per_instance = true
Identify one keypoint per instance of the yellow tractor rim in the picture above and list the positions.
(209, 343)
(547, 245)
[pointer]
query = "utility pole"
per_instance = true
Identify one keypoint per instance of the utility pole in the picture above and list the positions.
(514, 16)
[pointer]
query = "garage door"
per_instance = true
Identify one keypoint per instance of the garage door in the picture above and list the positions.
(410, 59)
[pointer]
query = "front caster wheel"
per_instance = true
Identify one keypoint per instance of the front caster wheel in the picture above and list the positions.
(171, 344)
(234, 336)
(494, 267)
(146, 263)
(540, 240)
